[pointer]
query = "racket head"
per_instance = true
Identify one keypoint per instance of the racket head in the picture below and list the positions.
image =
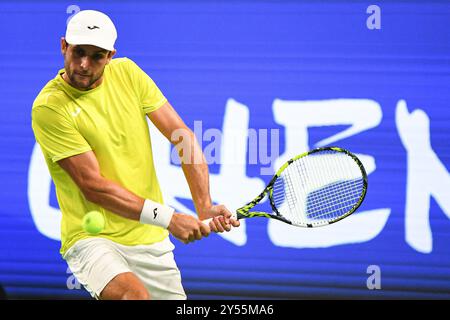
(318, 187)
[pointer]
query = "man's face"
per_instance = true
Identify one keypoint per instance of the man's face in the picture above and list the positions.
(84, 64)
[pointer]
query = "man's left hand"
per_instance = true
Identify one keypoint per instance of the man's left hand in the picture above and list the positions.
(222, 218)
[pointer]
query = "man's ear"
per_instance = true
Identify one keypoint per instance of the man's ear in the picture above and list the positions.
(63, 45)
(111, 55)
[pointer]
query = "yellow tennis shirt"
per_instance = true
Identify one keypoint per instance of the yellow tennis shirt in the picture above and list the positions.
(111, 121)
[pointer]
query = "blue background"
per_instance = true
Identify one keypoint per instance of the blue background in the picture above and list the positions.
(202, 53)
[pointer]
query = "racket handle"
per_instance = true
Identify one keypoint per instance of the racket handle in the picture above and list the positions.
(207, 221)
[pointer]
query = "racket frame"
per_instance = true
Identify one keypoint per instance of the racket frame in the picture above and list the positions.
(244, 211)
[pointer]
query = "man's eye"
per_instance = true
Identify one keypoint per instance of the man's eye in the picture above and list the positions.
(79, 53)
(98, 57)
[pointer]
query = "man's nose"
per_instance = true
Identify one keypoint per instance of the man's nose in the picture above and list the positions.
(85, 62)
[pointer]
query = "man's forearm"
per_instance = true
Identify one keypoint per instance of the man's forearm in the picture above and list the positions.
(195, 169)
(197, 176)
(115, 198)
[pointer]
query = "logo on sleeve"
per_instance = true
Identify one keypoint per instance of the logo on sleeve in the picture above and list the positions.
(155, 213)
(76, 112)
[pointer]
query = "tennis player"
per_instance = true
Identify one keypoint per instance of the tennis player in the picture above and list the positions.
(90, 121)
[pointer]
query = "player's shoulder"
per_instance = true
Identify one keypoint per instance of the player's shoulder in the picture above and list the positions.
(122, 63)
(50, 95)
(52, 98)
(124, 68)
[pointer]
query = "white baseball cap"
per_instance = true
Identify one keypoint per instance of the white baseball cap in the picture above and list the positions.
(90, 27)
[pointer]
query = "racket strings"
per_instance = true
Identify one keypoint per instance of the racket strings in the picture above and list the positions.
(350, 197)
(349, 191)
(337, 197)
(286, 192)
(292, 201)
(318, 188)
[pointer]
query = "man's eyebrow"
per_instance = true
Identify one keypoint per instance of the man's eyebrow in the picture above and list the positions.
(95, 52)
(101, 51)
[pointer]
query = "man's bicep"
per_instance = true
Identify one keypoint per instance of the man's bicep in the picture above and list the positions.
(82, 168)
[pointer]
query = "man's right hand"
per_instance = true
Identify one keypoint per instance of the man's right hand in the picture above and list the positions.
(187, 229)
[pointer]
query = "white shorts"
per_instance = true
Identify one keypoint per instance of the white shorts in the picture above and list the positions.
(96, 261)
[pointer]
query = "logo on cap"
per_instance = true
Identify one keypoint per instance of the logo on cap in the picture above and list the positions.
(93, 27)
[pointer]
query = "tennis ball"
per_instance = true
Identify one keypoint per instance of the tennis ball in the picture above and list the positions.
(93, 222)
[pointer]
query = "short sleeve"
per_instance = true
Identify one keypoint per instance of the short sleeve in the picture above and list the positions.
(151, 98)
(56, 135)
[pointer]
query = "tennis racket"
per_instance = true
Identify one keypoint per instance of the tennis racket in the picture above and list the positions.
(313, 189)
